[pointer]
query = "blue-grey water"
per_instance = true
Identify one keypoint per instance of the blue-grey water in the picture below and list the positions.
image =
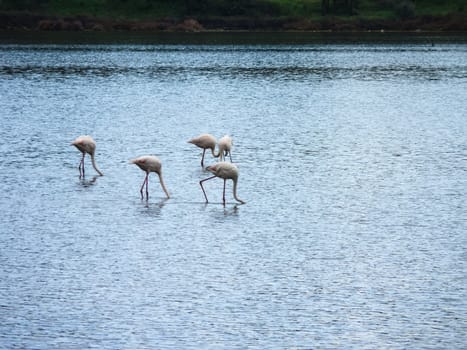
(352, 158)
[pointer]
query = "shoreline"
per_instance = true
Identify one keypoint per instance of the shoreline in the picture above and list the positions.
(38, 22)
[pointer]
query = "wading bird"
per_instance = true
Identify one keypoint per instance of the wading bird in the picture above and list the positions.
(150, 164)
(225, 171)
(205, 141)
(86, 144)
(225, 147)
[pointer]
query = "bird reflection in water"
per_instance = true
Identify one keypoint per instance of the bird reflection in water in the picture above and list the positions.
(153, 209)
(231, 211)
(88, 183)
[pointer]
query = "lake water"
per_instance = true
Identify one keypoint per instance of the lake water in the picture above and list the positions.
(352, 157)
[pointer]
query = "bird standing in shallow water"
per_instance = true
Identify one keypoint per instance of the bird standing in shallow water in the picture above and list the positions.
(86, 144)
(205, 141)
(225, 147)
(150, 164)
(225, 171)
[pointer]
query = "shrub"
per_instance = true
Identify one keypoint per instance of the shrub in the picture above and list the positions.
(405, 9)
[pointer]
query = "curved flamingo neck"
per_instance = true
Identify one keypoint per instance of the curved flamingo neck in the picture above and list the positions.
(235, 191)
(161, 180)
(220, 153)
(94, 165)
(213, 151)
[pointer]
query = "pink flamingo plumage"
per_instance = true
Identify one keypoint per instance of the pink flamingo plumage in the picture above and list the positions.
(225, 147)
(150, 164)
(205, 141)
(86, 144)
(226, 171)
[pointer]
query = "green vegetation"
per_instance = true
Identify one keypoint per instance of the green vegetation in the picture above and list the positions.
(138, 9)
(249, 14)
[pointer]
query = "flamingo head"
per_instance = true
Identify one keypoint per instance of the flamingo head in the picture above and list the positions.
(137, 161)
(212, 168)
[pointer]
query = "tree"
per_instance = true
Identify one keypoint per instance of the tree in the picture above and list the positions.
(324, 7)
(339, 7)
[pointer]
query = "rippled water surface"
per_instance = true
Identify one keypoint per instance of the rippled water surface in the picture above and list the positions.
(352, 159)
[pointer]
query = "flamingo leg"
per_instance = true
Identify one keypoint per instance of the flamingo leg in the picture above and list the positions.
(202, 158)
(144, 183)
(223, 194)
(147, 185)
(201, 184)
(81, 166)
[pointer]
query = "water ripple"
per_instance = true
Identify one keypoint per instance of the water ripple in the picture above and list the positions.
(326, 73)
(352, 162)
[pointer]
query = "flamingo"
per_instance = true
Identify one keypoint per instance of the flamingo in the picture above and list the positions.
(86, 144)
(225, 146)
(205, 141)
(225, 171)
(150, 164)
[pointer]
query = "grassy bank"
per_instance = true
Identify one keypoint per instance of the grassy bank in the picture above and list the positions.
(234, 14)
